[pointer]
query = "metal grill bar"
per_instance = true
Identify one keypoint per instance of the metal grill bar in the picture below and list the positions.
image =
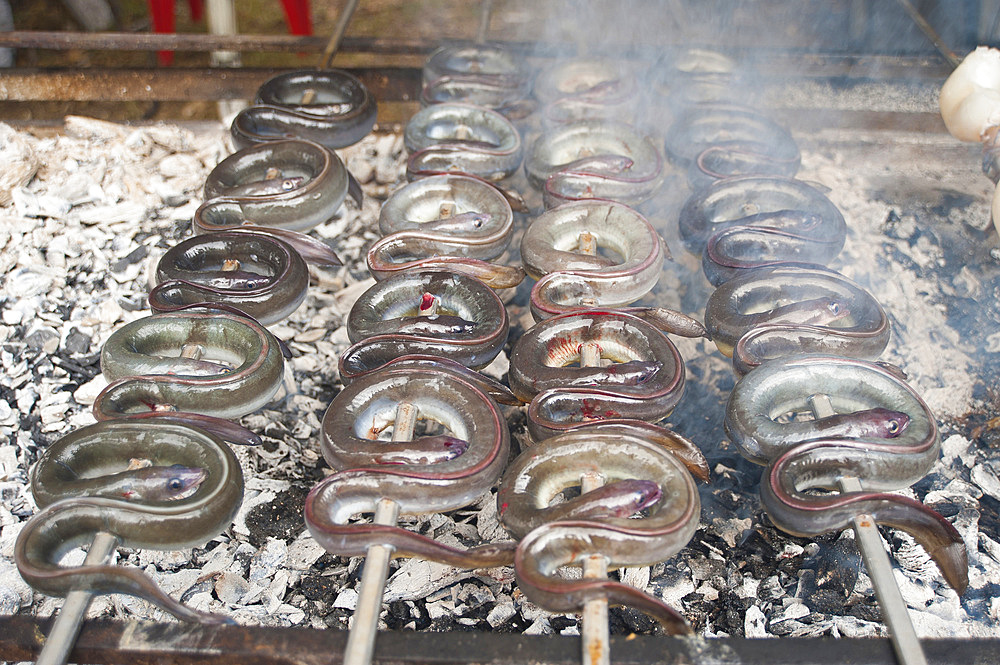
(129, 41)
(175, 84)
(774, 61)
(134, 643)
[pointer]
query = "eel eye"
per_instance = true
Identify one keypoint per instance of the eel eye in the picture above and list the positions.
(175, 484)
(892, 427)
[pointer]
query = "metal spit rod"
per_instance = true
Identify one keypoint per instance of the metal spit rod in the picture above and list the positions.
(338, 33)
(594, 631)
(361, 639)
(873, 552)
(60, 640)
(485, 14)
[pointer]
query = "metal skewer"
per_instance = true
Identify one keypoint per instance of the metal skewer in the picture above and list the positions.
(930, 32)
(338, 33)
(221, 16)
(485, 13)
(873, 553)
(61, 638)
(594, 631)
(594, 622)
(364, 627)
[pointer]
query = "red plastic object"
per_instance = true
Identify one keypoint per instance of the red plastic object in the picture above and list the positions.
(162, 12)
(298, 17)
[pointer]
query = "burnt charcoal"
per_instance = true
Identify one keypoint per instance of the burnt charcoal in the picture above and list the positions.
(835, 568)
(980, 605)
(198, 587)
(866, 609)
(327, 561)
(319, 587)
(478, 612)
(989, 514)
(32, 422)
(134, 303)
(823, 601)
(420, 615)
(732, 610)
(560, 623)
(243, 557)
(77, 342)
(516, 625)
(704, 568)
(632, 620)
(65, 309)
(80, 371)
(948, 200)
(698, 611)
(136, 255)
(726, 499)
(337, 618)
(945, 508)
(707, 543)
(765, 541)
(282, 518)
(448, 624)
(275, 430)
(757, 566)
(398, 615)
(179, 231)
(36, 341)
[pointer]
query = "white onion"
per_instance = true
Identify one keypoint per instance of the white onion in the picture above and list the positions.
(970, 98)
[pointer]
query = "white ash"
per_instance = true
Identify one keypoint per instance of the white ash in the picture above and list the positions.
(76, 247)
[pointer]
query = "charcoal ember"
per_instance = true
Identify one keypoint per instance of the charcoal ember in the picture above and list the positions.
(561, 623)
(133, 257)
(865, 608)
(397, 616)
(319, 587)
(730, 613)
(204, 586)
(280, 518)
(337, 619)
(43, 339)
(830, 574)
(628, 620)
(77, 342)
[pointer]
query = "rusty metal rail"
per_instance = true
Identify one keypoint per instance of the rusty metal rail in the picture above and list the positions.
(145, 41)
(776, 61)
(176, 84)
(185, 644)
